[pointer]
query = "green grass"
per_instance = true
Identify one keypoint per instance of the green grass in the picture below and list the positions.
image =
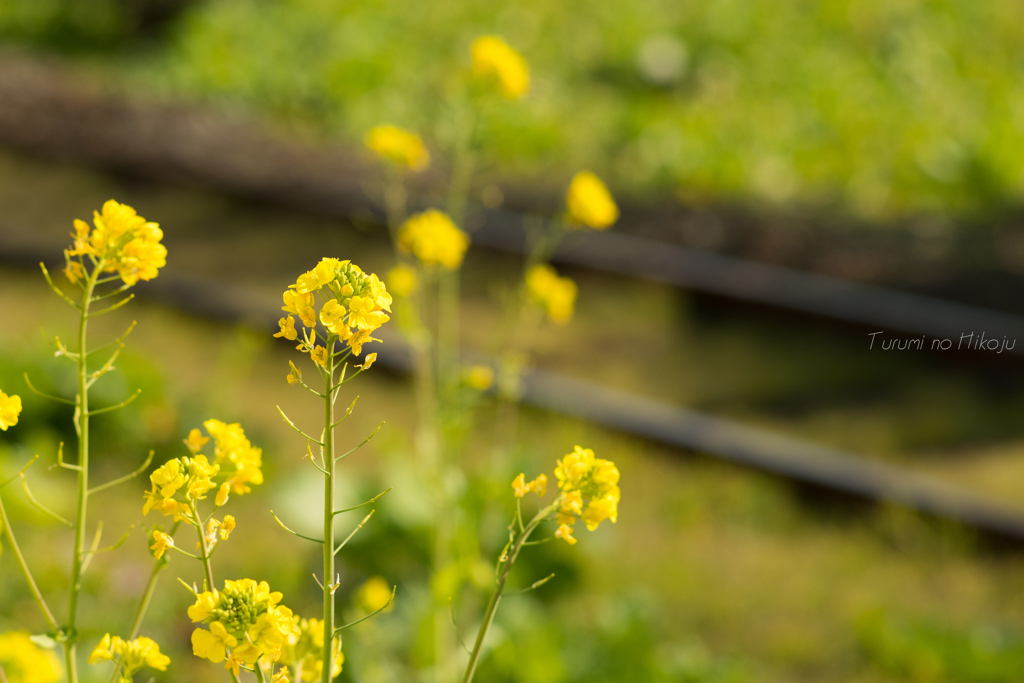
(875, 108)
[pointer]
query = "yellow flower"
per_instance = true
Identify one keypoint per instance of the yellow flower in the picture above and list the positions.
(300, 305)
(434, 239)
(540, 484)
(374, 594)
(494, 60)
(204, 606)
(379, 293)
(222, 494)
(212, 644)
(480, 377)
(226, 527)
(589, 202)
(362, 313)
(319, 356)
(564, 531)
(295, 376)
(556, 295)
(121, 241)
(10, 409)
(370, 359)
(131, 654)
(287, 325)
(303, 651)
(281, 676)
(399, 146)
(321, 275)
(74, 271)
(104, 651)
(25, 662)
(162, 543)
(519, 486)
(196, 440)
(358, 339)
(233, 663)
(168, 478)
(403, 280)
(590, 489)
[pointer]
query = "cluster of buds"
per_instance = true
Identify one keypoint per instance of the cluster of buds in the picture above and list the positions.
(556, 295)
(355, 304)
(303, 651)
(245, 622)
(120, 241)
(129, 655)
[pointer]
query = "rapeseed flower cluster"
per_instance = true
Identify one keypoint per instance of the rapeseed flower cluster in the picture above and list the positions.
(521, 487)
(10, 409)
(398, 146)
(303, 651)
(494, 61)
(556, 295)
(245, 622)
(355, 304)
(434, 239)
(25, 662)
(589, 203)
(120, 241)
(590, 491)
(180, 483)
(130, 655)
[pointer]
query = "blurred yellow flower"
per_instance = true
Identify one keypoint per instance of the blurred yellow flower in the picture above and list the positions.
(303, 651)
(480, 377)
(434, 239)
(161, 543)
(226, 527)
(25, 662)
(564, 532)
(121, 241)
(403, 280)
(374, 594)
(281, 676)
(10, 409)
(495, 61)
(590, 490)
(556, 295)
(196, 440)
(222, 494)
(131, 654)
(589, 202)
(521, 487)
(399, 146)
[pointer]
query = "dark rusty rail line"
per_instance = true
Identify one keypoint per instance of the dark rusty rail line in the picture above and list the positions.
(760, 449)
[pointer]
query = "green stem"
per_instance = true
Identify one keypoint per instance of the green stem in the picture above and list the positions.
(328, 547)
(204, 553)
(9, 533)
(492, 604)
(82, 415)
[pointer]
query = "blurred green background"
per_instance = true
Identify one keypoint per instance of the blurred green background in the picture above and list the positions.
(881, 112)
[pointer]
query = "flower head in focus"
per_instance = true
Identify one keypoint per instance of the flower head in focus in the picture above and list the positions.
(132, 655)
(356, 304)
(25, 662)
(589, 203)
(556, 295)
(494, 61)
(401, 147)
(10, 409)
(433, 238)
(120, 241)
(245, 621)
(304, 651)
